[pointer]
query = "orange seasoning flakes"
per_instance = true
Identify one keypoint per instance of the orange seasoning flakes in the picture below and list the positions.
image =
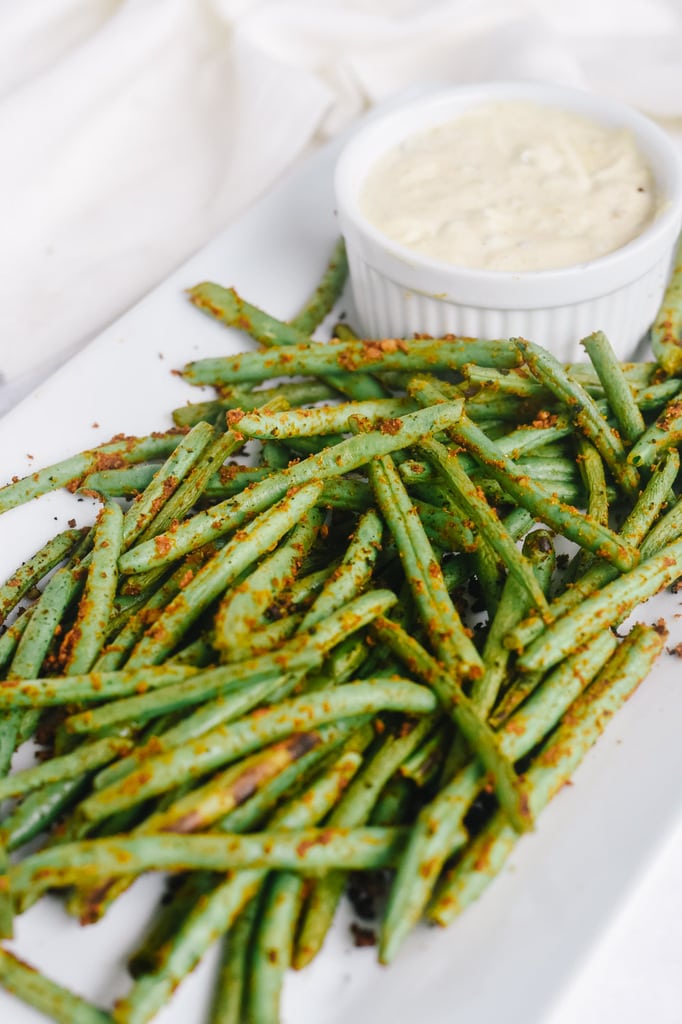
(544, 419)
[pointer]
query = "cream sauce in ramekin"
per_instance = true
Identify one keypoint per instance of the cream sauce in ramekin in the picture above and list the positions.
(513, 186)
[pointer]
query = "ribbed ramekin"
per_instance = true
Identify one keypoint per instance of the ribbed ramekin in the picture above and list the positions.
(398, 292)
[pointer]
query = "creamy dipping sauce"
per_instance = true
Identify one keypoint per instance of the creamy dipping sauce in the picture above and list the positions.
(513, 186)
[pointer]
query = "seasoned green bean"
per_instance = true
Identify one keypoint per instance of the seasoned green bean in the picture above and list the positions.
(322, 300)
(85, 639)
(437, 831)
(227, 742)
(603, 609)
(352, 357)
(647, 508)
(666, 333)
(221, 570)
(243, 609)
(32, 571)
(583, 412)
(46, 995)
(489, 526)
(68, 766)
(307, 850)
(70, 472)
(616, 387)
(90, 686)
(231, 309)
(551, 769)
(339, 460)
(665, 433)
(536, 499)
(439, 616)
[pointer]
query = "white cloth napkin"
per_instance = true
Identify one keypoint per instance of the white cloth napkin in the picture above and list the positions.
(133, 130)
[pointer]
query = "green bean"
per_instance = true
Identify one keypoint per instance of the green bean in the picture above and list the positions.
(321, 302)
(322, 637)
(83, 642)
(308, 850)
(354, 809)
(667, 329)
(38, 810)
(426, 763)
(229, 992)
(550, 769)
(227, 742)
(665, 433)
(437, 832)
(635, 527)
(229, 682)
(200, 653)
(146, 505)
(445, 528)
(481, 381)
(45, 995)
(422, 570)
(655, 395)
(90, 686)
(32, 571)
(583, 412)
(395, 805)
(616, 387)
(120, 644)
(236, 688)
(666, 529)
(272, 949)
(543, 469)
(592, 471)
(46, 616)
(338, 460)
(488, 524)
(244, 607)
(216, 912)
(68, 766)
(221, 570)
(295, 393)
(191, 489)
(10, 726)
(6, 909)
(514, 603)
(126, 482)
(253, 812)
(542, 709)
(353, 357)
(233, 478)
(332, 419)
(206, 804)
(481, 739)
(170, 915)
(536, 499)
(225, 305)
(70, 472)
(9, 640)
(352, 575)
(268, 638)
(527, 439)
(202, 807)
(604, 608)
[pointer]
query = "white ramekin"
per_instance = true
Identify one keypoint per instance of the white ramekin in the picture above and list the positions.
(398, 292)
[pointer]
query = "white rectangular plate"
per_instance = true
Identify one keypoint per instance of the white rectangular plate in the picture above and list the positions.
(510, 956)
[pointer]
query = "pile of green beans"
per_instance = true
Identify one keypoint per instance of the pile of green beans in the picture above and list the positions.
(262, 675)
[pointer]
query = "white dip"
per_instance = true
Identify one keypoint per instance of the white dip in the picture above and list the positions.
(513, 186)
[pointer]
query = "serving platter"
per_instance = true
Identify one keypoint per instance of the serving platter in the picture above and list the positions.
(515, 952)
